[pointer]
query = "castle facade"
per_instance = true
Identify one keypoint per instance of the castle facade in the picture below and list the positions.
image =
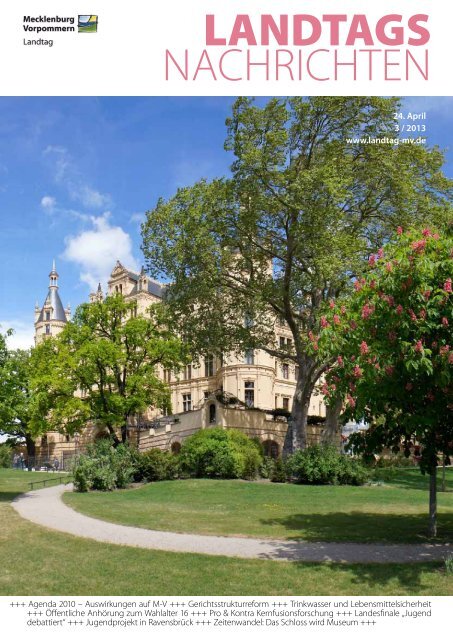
(252, 391)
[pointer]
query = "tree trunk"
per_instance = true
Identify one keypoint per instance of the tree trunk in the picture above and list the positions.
(432, 532)
(31, 446)
(332, 427)
(296, 436)
(124, 433)
(115, 438)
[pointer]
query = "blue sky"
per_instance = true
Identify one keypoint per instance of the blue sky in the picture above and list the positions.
(77, 175)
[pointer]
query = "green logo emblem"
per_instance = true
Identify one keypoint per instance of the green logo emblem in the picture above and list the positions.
(88, 24)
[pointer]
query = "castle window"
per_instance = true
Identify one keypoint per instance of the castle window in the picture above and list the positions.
(271, 449)
(285, 371)
(175, 447)
(212, 414)
(188, 372)
(47, 316)
(209, 366)
(47, 329)
(167, 375)
(249, 356)
(286, 404)
(285, 343)
(187, 402)
(249, 393)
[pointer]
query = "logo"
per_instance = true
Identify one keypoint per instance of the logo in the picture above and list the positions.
(88, 24)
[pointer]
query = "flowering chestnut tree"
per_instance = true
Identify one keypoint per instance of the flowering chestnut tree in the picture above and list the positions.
(391, 344)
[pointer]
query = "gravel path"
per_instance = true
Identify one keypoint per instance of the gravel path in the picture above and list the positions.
(45, 507)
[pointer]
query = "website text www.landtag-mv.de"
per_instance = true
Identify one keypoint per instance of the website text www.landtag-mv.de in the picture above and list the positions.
(46, 24)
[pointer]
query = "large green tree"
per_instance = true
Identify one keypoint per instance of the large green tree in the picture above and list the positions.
(16, 398)
(392, 343)
(102, 368)
(307, 200)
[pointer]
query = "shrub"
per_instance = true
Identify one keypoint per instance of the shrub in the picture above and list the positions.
(322, 464)
(221, 453)
(279, 472)
(155, 465)
(352, 471)
(104, 468)
(266, 467)
(6, 454)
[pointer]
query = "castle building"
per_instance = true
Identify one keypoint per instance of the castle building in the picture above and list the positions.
(252, 391)
(255, 378)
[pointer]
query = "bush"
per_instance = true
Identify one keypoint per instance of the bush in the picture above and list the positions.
(279, 472)
(6, 454)
(104, 468)
(221, 453)
(267, 467)
(156, 465)
(322, 464)
(352, 471)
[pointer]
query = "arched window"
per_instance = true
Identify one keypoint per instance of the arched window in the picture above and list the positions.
(102, 435)
(271, 449)
(212, 414)
(175, 447)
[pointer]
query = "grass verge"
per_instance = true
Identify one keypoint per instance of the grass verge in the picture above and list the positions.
(36, 561)
(395, 510)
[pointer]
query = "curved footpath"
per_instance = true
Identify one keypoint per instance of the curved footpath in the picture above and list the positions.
(46, 508)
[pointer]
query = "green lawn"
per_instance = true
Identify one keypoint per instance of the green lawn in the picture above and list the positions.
(393, 511)
(36, 561)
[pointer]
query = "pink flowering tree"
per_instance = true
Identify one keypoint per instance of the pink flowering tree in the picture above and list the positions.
(391, 345)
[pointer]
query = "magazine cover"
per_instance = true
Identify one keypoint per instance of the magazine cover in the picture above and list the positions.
(226, 319)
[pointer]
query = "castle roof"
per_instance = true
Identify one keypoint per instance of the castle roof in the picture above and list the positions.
(53, 302)
(154, 288)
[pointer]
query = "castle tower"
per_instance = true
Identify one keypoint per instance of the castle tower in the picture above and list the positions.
(52, 317)
(98, 296)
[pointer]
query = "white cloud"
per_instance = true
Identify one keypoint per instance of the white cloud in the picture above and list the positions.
(90, 197)
(61, 160)
(23, 333)
(48, 203)
(97, 249)
(68, 175)
(137, 218)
